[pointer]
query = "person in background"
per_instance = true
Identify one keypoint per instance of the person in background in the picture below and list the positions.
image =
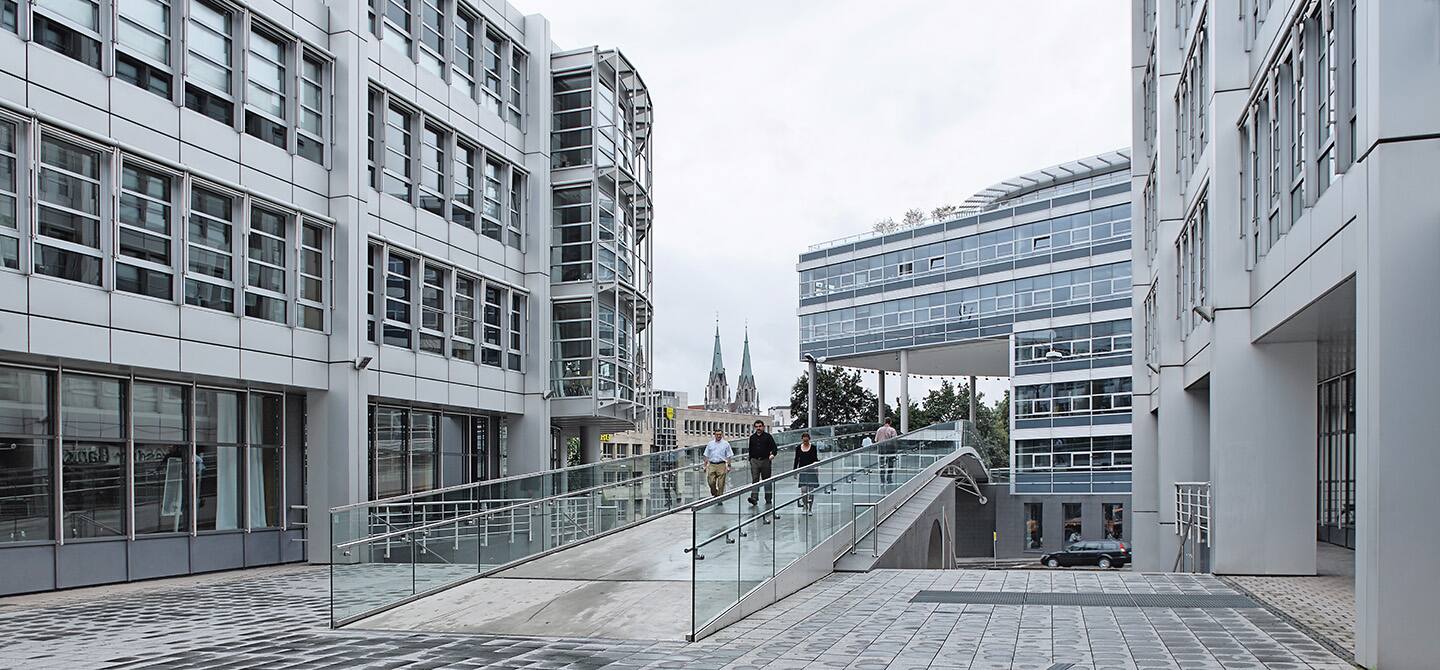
(762, 451)
(717, 463)
(807, 454)
(885, 437)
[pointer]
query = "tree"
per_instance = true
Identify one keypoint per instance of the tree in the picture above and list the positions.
(913, 217)
(886, 225)
(839, 398)
(944, 212)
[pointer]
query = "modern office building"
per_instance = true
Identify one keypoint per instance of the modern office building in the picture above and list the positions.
(1286, 163)
(216, 313)
(1029, 279)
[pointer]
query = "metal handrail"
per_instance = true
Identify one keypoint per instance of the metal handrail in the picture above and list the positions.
(567, 494)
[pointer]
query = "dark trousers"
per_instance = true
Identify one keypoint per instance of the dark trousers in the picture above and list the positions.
(760, 469)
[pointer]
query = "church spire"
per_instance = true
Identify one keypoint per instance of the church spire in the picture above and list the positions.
(745, 358)
(717, 365)
(747, 397)
(717, 389)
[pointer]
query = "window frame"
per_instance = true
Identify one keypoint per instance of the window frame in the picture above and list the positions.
(233, 51)
(324, 233)
(170, 36)
(288, 48)
(236, 224)
(173, 239)
(104, 170)
(287, 218)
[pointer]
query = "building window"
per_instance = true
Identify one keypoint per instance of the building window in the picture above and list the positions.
(397, 153)
(570, 139)
(1079, 342)
(27, 429)
(313, 269)
(517, 331)
(160, 420)
(1034, 526)
(1114, 519)
(494, 46)
(265, 291)
(396, 32)
(516, 107)
(432, 309)
(9, 195)
(144, 264)
(572, 251)
(70, 27)
(492, 325)
(209, 280)
(266, 453)
(462, 344)
(93, 456)
(376, 258)
(433, 161)
(68, 227)
(218, 459)
(516, 222)
(265, 95)
(490, 212)
(462, 200)
(374, 102)
(10, 16)
(1193, 265)
(310, 132)
(142, 34)
(398, 300)
(1070, 512)
(432, 37)
(572, 340)
(208, 62)
(462, 67)
(1075, 398)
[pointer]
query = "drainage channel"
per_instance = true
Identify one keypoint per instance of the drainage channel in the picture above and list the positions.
(1165, 600)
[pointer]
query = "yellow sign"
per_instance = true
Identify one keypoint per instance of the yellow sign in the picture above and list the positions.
(604, 437)
(670, 413)
(994, 536)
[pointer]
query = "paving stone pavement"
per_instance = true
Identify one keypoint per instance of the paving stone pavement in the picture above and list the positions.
(1324, 605)
(278, 619)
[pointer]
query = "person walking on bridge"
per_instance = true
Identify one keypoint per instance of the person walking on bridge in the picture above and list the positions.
(717, 463)
(884, 437)
(806, 454)
(762, 451)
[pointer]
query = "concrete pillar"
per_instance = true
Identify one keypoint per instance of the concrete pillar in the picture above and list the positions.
(904, 390)
(974, 399)
(1144, 522)
(589, 444)
(880, 410)
(1181, 455)
(1262, 452)
(810, 396)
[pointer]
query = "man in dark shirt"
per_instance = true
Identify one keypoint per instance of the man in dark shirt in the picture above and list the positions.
(762, 452)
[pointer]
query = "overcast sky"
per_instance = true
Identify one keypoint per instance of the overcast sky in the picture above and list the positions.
(783, 123)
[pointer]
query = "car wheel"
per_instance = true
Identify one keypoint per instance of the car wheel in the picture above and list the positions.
(1104, 563)
(1052, 563)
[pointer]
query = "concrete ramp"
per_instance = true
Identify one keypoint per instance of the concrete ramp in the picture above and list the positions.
(916, 536)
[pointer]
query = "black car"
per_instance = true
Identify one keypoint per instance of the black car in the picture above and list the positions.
(1104, 553)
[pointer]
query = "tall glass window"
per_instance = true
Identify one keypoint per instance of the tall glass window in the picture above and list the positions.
(516, 107)
(9, 196)
(517, 331)
(265, 94)
(424, 450)
(144, 244)
(266, 435)
(462, 343)
(27, 434)
(68, 228)
(1071, 514)
(491, 344)
(142, 34)
(92, 411)
(570, 139)
(432, 36)
(70, 27)
(208, 64)
(209, 280)
(388, 470)
(433, 141)
(515, 223)
(398, 299)
(1335, 489)
(573, 366)
(494, 46)
(490, 218)
(312, 276)
(572, 249)
(462, 200)
(310, 135)
(162, 458)
(265, 296)
(1034, 526)
(432, 309)
(397, 152)
(462, 67)
(397, 24)
(218, 459)
(1114, 519)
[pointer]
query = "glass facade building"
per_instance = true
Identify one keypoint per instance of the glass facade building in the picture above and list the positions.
(258, 261)
(1030, 280)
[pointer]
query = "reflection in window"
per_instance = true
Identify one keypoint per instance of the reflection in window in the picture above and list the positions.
(26, 443)
(267, 425)
(1070, 512)
(1034, 526)
(92, 456)
(217, 459)
(68, 224)
(1114, 519)
(9, 197)
(162, 454)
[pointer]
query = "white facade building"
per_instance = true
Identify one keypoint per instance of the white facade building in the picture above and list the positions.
(259, 257)
(1286, 156)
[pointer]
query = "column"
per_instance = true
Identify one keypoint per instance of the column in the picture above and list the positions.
(974, 399)
(880, 410)
(589, 445)
(904, 390)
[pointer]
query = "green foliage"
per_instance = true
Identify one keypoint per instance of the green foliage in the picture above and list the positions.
(839, 398)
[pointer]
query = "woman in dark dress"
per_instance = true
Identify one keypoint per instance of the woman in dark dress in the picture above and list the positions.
(805, 454)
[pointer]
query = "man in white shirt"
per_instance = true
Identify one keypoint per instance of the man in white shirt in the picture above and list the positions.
(883, 437)
(717, 463)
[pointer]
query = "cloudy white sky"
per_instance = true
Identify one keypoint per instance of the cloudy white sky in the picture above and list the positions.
(783, 123)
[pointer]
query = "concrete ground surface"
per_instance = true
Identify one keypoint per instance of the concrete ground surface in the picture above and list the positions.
(277, 618)
(1323, 606)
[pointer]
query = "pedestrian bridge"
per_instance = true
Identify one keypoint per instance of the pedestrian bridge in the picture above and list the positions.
(629, 548)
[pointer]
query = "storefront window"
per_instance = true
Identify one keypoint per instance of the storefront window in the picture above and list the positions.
(26, 433)
(1071, 512)
(423, 445)
(217, 459)
(1114, 514)
(387, 452)
(162, 458)
(93, 456)
(1034, 526)
(267, 429)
